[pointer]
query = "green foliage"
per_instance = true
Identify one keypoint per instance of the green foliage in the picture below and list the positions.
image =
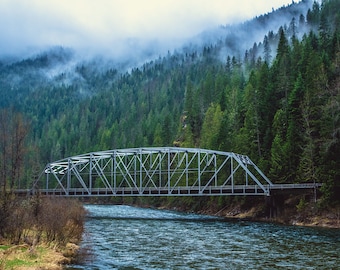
(15, 263)
(211, 127)
(301, 205)
(279, 105)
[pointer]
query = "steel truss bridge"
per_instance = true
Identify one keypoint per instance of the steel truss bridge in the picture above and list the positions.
(156, 171)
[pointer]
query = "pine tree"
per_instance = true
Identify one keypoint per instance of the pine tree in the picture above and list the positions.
(266, 110)
(294, 131)
(315, 83)
(282, 79)
(248, 139)
(211, 127)
(267, 50)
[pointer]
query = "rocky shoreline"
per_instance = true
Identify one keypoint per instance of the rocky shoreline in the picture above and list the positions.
(289, 213)
(294, 210)
(323, 219)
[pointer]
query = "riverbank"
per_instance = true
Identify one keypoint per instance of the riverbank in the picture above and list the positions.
(287, 209)
(42, 256)
(325, 219)
(127, 237)
(39, 232)
(292, 210)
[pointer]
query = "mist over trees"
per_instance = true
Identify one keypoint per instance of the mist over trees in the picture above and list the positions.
(277, 102)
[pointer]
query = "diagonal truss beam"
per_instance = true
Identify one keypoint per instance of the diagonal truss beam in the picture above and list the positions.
(155, 171)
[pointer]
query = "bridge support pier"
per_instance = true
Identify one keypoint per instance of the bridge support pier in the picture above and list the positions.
(274, 205)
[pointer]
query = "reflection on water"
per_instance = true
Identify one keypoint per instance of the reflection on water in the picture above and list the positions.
(125, 237)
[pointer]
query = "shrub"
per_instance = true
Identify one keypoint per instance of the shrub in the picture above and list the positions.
(57, 220)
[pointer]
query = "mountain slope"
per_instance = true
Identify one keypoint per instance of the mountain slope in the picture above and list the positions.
(276, 102)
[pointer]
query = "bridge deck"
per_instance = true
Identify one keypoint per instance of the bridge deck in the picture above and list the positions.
(166, 192)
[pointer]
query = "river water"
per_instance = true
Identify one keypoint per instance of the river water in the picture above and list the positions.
(125, 237)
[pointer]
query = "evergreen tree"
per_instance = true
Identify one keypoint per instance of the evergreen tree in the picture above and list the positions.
(313, 15)
(211, 127)
(315, 83)
(267, 50)
(248, 139)
(294, 131)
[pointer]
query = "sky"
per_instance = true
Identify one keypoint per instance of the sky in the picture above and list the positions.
(116, 27)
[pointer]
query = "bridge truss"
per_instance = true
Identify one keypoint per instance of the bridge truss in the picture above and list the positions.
(157, 171)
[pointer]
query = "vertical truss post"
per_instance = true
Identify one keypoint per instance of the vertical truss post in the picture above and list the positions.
(111, 171)
(68, 186)
(232, 174)
(199, 171)
(135, 170)
(169, 171)
(215, 170)
(90, 176)
(114, 160)
(246, 176)
(160, 168)
(186, 169)
(140, 170)
(48, 176)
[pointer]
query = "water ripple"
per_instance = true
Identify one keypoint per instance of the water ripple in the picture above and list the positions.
(125, 237)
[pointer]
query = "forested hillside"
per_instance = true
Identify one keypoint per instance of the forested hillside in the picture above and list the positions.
(278, 101)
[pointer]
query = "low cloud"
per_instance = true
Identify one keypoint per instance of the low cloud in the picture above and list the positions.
(116, 28)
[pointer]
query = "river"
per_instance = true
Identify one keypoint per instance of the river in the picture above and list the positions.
(125, 237)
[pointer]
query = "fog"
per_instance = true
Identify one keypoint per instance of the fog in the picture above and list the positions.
(116, 28)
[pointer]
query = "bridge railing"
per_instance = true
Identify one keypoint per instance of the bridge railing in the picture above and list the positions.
(227, 190)
(294, 186)
(157, 192)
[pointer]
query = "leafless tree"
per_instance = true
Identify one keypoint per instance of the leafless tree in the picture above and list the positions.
(13, 131)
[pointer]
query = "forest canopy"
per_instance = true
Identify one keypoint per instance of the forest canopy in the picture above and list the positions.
(279, 103)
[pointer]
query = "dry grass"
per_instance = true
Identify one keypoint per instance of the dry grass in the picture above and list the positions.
(24, 257)
(37, 233)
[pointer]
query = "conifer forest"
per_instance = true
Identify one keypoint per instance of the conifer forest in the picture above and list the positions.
(277, 101)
